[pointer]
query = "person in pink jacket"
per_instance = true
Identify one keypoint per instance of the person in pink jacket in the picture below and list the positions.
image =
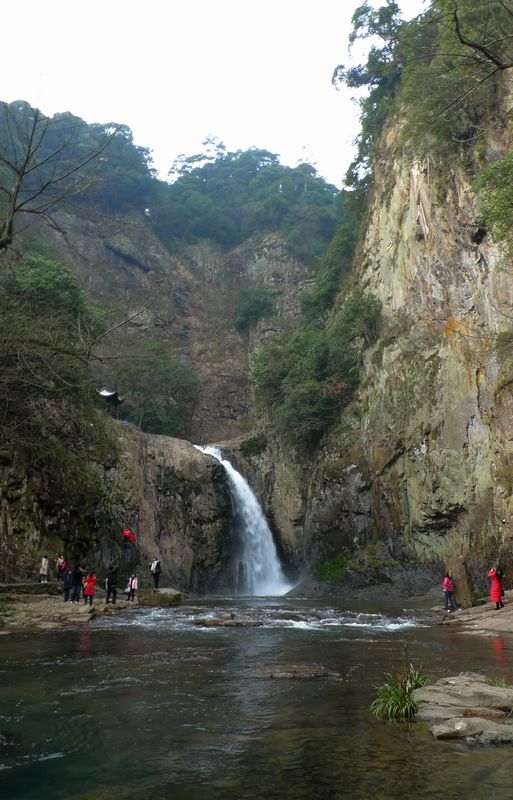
(131, 587)
(495, 575)
(448, 590)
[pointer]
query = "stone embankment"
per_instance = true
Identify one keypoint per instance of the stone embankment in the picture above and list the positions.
(467, 707)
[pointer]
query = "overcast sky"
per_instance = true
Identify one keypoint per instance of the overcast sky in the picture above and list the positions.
(176, 71)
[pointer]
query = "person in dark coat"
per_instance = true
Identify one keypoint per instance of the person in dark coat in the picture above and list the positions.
(67, 583)
(77, 576)
(155, 572)
(111, 583)
(495, 575)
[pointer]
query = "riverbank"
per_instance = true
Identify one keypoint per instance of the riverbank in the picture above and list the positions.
(483, 620)
(23, 613)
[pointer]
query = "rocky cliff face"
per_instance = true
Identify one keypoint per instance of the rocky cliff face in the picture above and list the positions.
(178, 501)
(186, 298)
(420, 465)
(173, 497)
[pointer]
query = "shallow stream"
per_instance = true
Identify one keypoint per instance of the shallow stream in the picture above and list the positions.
(149, 704)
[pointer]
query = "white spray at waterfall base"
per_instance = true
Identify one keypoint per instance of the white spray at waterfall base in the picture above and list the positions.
(257, 567)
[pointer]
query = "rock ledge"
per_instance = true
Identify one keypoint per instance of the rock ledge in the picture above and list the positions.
(467, 707)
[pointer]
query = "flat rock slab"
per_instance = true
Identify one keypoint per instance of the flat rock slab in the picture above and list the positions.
(436, 713)
(25, 613)
(467, 707)
(296, 671)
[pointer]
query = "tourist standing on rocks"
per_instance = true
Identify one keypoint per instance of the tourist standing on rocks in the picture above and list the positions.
(128, 541)
(495, 575)
(61, 567)
(77, 576)
(448, 590)
(44, 570)
(89, 587)
(67, 583)
(131, 587)
(155, 572)
(111, 584)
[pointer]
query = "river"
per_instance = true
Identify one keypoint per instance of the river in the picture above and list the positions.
(147, 704)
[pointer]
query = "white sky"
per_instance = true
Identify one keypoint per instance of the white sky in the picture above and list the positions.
(175, 71)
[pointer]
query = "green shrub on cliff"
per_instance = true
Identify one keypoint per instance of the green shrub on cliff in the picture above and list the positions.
(495, 196)
(439, 73)
(51, 428)
(160, 392)
(307, 377)
(255, 302)
(334, 570)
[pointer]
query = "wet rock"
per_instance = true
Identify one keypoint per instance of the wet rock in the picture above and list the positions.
(436, 713)
(223, 622)
(467, 707)
(161, 598)
(297, 671)
(465, 728)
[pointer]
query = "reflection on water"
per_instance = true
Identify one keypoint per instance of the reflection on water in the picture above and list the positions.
(154, 704)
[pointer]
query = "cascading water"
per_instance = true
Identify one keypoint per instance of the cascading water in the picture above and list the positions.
(257, 567)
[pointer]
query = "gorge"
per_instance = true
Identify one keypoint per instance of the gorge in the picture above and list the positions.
(353, 364)
(347, 355)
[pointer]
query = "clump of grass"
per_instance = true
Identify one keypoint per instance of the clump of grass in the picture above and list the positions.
(394, 698)
(502, 682)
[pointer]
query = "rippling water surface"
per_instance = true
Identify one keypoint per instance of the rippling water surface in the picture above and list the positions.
(158, 704)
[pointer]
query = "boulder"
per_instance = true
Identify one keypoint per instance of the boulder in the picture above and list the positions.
(161, 598)
(460, 728)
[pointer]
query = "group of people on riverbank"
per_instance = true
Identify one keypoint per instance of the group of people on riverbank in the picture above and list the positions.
(495, 575)
(83, 582)
(80, 583)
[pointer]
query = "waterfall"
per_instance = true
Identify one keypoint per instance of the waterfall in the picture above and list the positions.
(256, 564)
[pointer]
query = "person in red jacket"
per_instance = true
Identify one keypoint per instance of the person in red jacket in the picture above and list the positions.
(496, 575)
(128, 541)
(89, 587)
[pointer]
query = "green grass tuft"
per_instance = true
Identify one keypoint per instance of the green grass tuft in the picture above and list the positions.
(393, 700)
(502, 682)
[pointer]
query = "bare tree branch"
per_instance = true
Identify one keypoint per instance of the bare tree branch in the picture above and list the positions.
(38, 180)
